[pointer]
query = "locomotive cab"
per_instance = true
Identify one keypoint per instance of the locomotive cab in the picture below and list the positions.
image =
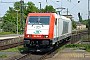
(37, 36)
(45, 30)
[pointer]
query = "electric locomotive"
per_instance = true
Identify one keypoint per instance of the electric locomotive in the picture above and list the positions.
(44, 30)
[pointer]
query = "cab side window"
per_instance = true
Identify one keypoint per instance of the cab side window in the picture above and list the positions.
(56, 21)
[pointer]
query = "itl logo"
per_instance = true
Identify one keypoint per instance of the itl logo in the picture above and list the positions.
(37, 32)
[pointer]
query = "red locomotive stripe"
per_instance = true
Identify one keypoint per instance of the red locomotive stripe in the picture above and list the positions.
(39, 14)
(51, 28)
(25, 31)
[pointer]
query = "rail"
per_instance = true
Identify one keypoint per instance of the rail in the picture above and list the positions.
(10, 42)
(74, 39)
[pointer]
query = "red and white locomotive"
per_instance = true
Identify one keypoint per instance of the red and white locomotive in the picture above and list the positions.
(44, 30)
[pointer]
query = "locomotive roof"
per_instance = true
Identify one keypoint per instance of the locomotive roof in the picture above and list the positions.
(59, 16)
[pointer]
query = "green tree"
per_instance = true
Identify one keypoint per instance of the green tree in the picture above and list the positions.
(9, 22)
(49, 9)
(73, 24)
(17, 6)
(9, 19)
(86, 22)
(30, 8)
(9, 27)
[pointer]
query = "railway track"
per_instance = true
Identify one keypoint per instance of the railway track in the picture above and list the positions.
(13, 42)
(39, 56)
(75, 38)
(10, 46)
(78, 36)
(10, 42)
(30, 56)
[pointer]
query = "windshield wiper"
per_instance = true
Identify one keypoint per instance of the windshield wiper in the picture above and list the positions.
(41, 24)
(33, 24)
(38, 24)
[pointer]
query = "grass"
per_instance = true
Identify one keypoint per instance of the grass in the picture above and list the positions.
(5, 33)
(61, 48)
(75, 45)
(3, 56)
(16, 49)
(80, 46)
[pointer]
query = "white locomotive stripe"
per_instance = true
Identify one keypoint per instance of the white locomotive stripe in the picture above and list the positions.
(38, 29)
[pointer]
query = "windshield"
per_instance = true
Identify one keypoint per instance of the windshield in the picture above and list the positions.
(44, 20)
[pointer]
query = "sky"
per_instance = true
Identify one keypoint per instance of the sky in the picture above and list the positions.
(73, 6)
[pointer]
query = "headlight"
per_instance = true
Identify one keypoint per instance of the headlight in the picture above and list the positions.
(28, 36)
(45, 36)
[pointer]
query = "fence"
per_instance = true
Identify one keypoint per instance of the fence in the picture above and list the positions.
(80, 37)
